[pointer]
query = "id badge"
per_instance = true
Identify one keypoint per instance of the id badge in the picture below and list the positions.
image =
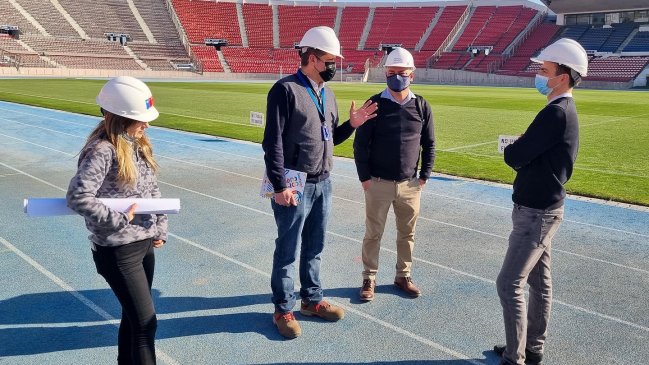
(325, 133)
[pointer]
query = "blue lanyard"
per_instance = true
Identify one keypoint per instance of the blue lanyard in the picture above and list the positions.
(319, 103)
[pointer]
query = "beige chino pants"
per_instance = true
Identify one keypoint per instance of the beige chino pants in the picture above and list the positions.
(404, 197)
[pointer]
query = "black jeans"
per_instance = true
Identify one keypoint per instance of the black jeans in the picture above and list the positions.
(128, 269)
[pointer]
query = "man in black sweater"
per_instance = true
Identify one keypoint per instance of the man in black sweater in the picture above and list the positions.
(543, 158)
(301, 130)
(387, 151)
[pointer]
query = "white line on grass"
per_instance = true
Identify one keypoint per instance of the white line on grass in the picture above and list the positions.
(252, 158)
(452, 149)
(161, 113)
(48, 97)
(468, 146)
(612, 120)
(87, 302)
(584, 310)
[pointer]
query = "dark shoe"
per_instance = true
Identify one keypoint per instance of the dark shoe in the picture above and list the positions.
(323, 310)
(531, 358)
(406, 284)
(286, 324)
(367, 290)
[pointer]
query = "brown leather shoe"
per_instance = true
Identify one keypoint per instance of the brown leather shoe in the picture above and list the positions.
(407, 286)
(286, 324)
(323, 310)
(367, 290)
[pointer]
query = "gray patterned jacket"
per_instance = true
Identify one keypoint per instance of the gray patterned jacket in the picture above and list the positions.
(97, 178)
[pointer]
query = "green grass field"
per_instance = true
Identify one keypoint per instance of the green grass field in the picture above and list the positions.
(612, 162)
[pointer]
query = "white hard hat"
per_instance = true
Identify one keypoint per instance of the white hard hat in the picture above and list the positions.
(322, 38)
(128, 97)
(567, 52)
(400, 57)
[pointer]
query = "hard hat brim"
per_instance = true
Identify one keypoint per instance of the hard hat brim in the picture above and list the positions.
(337, 54)
(401, 65)
(150, 115)
(540, 60)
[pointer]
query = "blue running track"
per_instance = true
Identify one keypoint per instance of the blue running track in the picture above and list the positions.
(212, 284)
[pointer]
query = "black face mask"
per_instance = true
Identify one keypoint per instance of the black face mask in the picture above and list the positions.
(329, 72)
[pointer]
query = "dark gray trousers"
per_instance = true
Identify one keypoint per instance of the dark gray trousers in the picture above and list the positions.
(527, 260)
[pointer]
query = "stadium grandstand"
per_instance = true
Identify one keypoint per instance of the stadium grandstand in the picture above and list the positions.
(466, 42)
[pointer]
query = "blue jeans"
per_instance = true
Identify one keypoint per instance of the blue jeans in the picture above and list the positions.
(302, 226)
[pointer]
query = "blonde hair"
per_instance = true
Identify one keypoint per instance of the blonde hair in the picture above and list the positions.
(112, 128)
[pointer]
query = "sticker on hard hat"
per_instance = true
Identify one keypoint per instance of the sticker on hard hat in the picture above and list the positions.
(149, 103)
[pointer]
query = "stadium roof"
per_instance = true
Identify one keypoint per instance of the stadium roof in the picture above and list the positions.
(589, 6)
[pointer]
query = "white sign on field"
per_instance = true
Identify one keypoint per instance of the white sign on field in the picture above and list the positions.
(504, 141)
(257, 118)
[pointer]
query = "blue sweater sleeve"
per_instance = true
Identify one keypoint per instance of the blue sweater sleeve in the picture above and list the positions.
(544, 132)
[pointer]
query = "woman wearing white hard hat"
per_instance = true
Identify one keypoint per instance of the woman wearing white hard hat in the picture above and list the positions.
(543, 158)
(117, 162)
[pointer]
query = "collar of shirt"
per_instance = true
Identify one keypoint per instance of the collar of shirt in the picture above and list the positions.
(317, 88)
(564, 95)
(387, 95)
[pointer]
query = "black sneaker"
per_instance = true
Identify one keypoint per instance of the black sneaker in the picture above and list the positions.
(531, 358)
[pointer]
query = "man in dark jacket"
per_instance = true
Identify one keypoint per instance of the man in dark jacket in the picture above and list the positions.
(301, 131)
(387, 151)
(543, 158)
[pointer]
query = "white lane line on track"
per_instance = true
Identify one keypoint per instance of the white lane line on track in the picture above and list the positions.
(347, 308)
(420, 217)
(166, 358)
(584, 310)
(7, 175)
(82, 298)
(35, 144)
(358, 202)
(460, 272)
(340, 175)
(153, 139)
